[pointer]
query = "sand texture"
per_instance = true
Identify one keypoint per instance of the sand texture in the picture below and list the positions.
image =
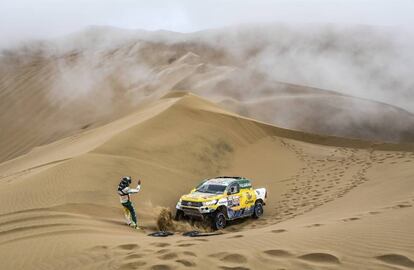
(333, 203)
(79, 112)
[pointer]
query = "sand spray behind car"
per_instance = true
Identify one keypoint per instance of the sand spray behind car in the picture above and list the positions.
(164, 219)
(165, 222)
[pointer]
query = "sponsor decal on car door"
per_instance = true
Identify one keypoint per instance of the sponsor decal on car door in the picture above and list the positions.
(249, 198)
(247, 201)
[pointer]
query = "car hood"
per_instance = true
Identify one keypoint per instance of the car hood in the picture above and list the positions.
(199, 196)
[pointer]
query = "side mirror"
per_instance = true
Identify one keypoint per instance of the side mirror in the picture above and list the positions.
(228, 193)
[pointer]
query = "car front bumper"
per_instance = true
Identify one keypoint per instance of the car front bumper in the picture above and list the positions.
(195, 211)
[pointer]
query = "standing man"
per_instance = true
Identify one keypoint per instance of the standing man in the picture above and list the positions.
(124, 192)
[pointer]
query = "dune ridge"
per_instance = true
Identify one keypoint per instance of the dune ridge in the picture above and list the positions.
(60, 88)
(333, 202)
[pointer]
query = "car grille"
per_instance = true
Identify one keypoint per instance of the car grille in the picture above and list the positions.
(191, 211)
(191, 204)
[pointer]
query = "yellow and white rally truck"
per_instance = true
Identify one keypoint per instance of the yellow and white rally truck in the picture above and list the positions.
(221, 199)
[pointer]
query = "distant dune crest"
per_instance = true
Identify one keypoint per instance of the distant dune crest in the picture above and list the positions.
(266, 72)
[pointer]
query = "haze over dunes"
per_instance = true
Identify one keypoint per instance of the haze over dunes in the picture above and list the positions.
(77, 113)
(264, 72)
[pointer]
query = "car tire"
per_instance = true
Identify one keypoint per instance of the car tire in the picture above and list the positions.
(258, 210)
(179, 215)
(219, 221)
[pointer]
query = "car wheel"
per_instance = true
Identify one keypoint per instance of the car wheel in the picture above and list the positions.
(179, 215)
(219, 221)
(258, 210)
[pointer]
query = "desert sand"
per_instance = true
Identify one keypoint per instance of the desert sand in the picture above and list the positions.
(335, 202)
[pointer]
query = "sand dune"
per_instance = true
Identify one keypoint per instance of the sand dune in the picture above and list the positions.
(51, 90)
(334, 203)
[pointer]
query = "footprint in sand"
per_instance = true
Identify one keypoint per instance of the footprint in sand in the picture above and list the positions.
(396, 259)
(132, 265)
(350, 219)
(234, 268)
(168, 256)
(186, 263)
(160, 267)
(374, 212)
(160, 244)
(133, 256)
(186, 245)
(402, 206)
(320, 258)
(277, 253)
(189, 253)
(234, 258)
(314, 225)
(128, 247)
(216, 255)
(162, 251)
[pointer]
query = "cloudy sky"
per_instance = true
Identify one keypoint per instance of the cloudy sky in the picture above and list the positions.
(22, 19)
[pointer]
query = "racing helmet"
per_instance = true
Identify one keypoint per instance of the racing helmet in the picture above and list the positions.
(127, 179)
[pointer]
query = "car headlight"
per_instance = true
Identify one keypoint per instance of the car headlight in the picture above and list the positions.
(180, 201)
(209, 203)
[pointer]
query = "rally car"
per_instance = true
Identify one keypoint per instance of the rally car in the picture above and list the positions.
(221, 199)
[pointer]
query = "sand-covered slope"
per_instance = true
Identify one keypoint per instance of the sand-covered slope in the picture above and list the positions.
(333, 203)
(54, 89)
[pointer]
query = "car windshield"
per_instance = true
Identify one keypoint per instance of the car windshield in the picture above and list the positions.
(211, 188)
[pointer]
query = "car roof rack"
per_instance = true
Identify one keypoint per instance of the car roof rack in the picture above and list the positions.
(234, 177)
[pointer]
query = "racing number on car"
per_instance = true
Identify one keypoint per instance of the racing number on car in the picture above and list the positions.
(233, 201)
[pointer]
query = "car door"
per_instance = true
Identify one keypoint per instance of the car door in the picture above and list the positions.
(233, 200)
(247, 199)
